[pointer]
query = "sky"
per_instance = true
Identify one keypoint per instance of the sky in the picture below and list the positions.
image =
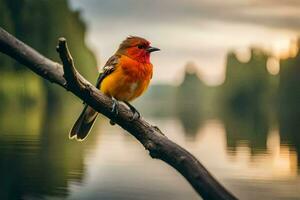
(197, 31)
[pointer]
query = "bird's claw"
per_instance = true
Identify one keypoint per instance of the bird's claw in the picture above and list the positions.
(135, 114)
(114, 110)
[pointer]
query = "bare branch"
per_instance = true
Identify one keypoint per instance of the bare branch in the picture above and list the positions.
(158, 145)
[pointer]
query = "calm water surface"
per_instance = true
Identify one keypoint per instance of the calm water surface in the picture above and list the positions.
(111, 164)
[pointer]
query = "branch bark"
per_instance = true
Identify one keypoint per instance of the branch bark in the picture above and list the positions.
(158, 145)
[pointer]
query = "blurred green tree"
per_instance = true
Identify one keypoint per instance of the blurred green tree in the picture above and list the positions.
(40, 24)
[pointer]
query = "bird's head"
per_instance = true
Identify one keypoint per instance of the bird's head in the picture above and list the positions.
(137, 48)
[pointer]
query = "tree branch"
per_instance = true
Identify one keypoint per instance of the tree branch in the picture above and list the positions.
(158, 145)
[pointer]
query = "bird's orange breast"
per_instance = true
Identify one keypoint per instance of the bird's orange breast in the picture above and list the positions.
(129, 80)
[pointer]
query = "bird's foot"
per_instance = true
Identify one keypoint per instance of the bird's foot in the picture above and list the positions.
(136, 115)
(114, 110)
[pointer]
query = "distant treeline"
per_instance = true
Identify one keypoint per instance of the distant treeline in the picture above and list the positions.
(247, 86)
(250, 102)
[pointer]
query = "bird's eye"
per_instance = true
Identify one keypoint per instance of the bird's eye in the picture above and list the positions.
(140, 46)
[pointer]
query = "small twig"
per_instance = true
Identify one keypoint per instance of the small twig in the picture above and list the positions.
(70, 72)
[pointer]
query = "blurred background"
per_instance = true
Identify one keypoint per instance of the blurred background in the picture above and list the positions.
(226, 86)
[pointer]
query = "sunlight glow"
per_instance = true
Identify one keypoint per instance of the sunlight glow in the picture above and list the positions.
(282, 48)
(243, 55)
(273, 66)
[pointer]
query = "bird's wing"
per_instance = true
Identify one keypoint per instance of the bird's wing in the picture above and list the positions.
(108, 68)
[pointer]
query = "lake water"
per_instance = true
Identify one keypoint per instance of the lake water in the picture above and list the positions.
(111, 164)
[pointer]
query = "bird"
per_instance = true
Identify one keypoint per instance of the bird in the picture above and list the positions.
(125, 76)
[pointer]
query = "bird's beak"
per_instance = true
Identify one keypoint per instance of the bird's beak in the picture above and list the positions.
(152, 49)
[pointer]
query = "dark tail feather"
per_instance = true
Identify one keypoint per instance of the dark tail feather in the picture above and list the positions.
(84, 123)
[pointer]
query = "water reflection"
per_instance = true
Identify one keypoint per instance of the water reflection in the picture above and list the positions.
(37, 159)
(276, 162)
(113, 165)
(289, 127)
(118, 168)
(249, 127)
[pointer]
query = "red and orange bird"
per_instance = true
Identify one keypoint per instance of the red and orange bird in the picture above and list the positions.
(124, 77)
